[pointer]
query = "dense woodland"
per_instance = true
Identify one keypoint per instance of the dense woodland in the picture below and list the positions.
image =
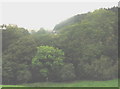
(83, 47)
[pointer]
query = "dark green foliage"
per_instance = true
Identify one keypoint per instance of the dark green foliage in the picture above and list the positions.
(101, 69)
(87, 43)
(84, 48)
(43, 37)
(67, 73)
(17, 58)
(12, 34)
(23, 76)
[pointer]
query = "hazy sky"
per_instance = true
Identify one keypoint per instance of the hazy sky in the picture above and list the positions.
(33, 15)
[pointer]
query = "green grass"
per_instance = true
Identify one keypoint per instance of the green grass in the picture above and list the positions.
(111, 83)
(11, 86)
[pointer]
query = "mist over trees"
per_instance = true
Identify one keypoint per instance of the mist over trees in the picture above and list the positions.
(84, 47)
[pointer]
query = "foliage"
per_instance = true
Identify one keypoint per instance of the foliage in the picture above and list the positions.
(24, 76)
(67, 73)
(47, 58)
(84, 48)
(17, 58)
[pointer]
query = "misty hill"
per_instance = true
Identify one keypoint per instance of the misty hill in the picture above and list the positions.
(77, 19)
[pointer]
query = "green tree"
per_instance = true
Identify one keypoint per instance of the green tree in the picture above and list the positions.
(86, 41)
(47, 59)
(43, 37)
(17, 59)
(67, 73)
(102, 69)
(11, 35)
(24, 76)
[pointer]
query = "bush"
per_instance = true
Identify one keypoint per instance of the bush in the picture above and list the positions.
(101, 69)
(67, 72)
(24, 76)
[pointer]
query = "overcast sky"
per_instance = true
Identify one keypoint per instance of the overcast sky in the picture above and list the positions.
(34, 15)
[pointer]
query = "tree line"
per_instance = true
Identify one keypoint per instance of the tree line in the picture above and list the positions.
(83, 48)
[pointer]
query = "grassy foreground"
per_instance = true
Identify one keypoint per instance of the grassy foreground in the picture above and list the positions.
(111, 83)
(11, 86)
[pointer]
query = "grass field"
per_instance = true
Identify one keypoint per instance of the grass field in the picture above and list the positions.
(111, 83)
(11, 86)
